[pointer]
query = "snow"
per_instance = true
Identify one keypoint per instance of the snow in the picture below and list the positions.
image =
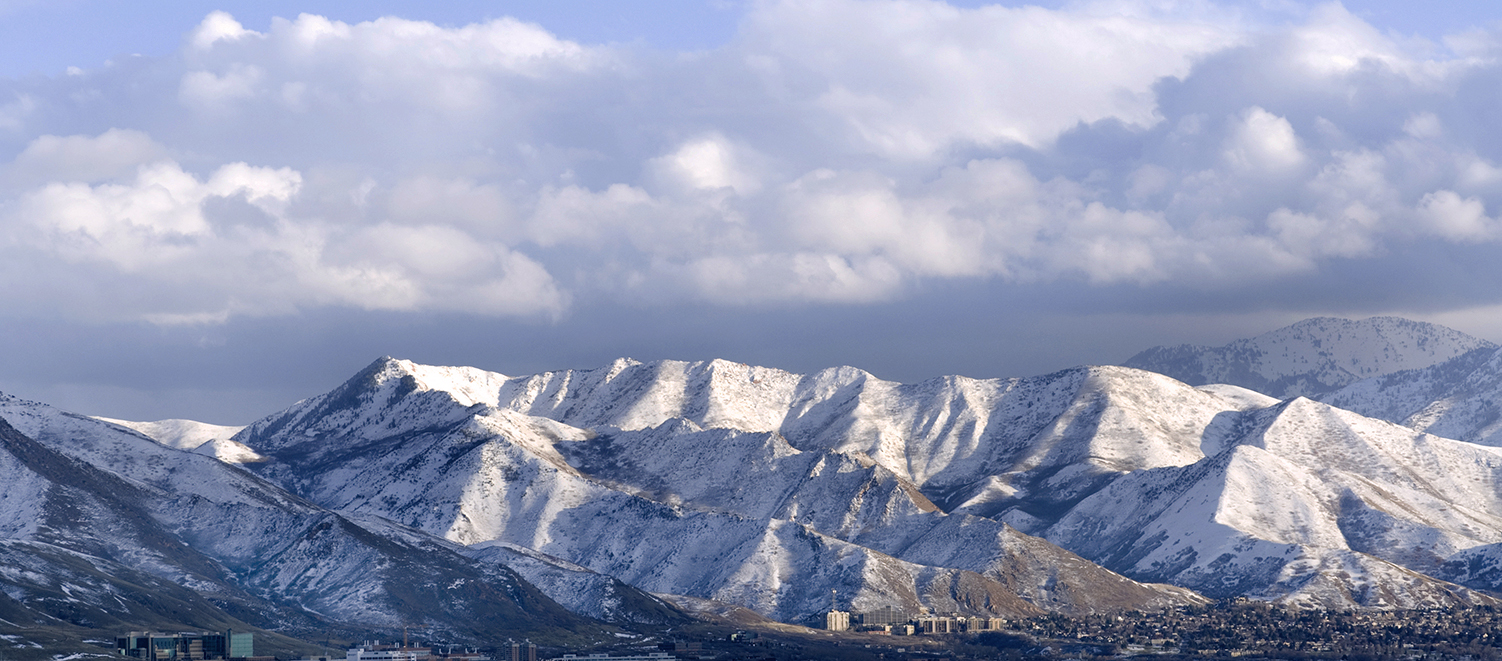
(696, 460)
(180, 434)
(22, 496)
(766, 489)
(229, 451)
(1242, 398)
(1314, 356)
(1460, 398)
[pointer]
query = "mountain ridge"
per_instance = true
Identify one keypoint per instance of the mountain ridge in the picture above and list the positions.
(1313, 357)
(1004, 458)
(572, 499)
(105, 496)
(458, 442)
(1460, 398)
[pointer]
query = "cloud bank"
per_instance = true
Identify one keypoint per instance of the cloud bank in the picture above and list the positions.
(836, 151)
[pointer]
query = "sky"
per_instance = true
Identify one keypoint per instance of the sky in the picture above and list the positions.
(212, 210)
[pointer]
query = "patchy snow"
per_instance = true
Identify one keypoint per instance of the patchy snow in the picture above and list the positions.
(1314, 356)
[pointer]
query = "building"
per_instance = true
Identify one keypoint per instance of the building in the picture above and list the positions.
(654, 656)
(523, 651)
(363, 654)
(932, 624)
(837, 621)
(241, 645)
(985, 624)
(882, 617)
(185, 646)
(459, 653)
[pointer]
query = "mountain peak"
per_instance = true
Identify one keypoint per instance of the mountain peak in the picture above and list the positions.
(1312, 357)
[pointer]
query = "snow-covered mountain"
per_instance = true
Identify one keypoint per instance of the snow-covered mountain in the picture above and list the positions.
(667, 505)
(1312, 357)
(766, 489)
(180, 434)
(1033, 452)
(157, 536)
(1459, 398)
(469, 500)
(1303, 502)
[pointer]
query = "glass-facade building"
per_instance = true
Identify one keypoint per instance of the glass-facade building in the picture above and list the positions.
(185, 646)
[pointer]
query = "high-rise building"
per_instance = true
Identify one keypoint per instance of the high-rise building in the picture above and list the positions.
(523, 651)
(837, 621)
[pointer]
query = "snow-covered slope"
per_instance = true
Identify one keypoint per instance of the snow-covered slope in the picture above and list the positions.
(1301, 494)
(715, 505)
(102, 492)
(766, 489)
(1037, 452)
(1312, 357)
(1459, 398)
(971, 442)
(180, 434)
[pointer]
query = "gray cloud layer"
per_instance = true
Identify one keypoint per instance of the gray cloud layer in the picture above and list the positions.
(1164, 157)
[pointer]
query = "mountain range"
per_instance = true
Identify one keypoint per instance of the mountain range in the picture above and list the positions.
(1313, 357)
(567, 505)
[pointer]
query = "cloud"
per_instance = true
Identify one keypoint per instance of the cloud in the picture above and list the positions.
(1456, 218)
(217, 26)
(112, 154)
(912, 78)
(168, 247)
(836, 151)
(1263, 142)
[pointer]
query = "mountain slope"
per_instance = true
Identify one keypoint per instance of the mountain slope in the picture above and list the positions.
(1300, 494)
(180, 434)
(739, 515)
(1312, 357)
(1460, 398)
(1047, 453)
(275, 560)
(983, 443)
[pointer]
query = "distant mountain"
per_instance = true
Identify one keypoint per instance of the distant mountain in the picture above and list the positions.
(1459, 398)
(766, 489)
(1313, 357)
